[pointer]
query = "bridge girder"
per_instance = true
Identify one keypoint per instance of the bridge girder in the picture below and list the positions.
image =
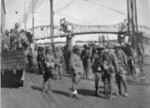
(43, 32)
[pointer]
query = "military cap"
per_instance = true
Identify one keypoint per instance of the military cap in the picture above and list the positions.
(117, 45)
(128, 44)
(109, 46)
(86, 46)
(100, 47)
(76, 47)
(16, 25)
(49, 48)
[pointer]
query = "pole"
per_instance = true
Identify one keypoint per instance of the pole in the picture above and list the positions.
(33, 18)
(51, 21)
(25, 15)
(128, 17)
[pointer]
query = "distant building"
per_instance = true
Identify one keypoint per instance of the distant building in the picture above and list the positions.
(3, 13)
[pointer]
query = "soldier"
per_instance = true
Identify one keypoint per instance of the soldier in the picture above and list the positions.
(97, 67)
(77, 70)
(6, 41)
(84, 57)
(49, 69)
(14, 36)
(110, 67)
(131, 55)
(121, 74)
(58, 62)
(40, 60)
(23, 41)
(30, 60)
(140, 54)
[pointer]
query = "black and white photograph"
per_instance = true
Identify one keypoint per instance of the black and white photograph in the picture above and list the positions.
(75, 53)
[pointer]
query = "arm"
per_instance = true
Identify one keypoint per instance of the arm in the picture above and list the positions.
(115, 62)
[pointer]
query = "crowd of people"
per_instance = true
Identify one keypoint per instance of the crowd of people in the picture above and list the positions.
(109, 65)
(14, 39)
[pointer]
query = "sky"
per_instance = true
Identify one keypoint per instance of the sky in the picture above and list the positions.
(85, 12)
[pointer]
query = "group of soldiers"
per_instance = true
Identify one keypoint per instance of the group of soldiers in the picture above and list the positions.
(14, 39)
(109, 65)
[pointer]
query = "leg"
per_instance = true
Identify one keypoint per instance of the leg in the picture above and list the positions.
(131, 67)
(119, 84)
(96, 82)
(124, 82)
(106, 89)
(60, 72)
(45, 84)
(111, 80)
(49, 85)
(56, 72)
(75, 82)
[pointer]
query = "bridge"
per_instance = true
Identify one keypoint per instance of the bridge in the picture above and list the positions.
(43, 32)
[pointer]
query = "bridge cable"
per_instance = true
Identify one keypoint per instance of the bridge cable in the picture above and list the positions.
(106, 7)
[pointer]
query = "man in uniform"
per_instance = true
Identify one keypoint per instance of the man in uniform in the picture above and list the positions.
(97, 67)
(77, 70)
(85, 57)
(58, 62)
(6, 41)
(121, 74)
(140, 54)
(49, 69)
(131, 55)
(40, 59)
(30, 60)
(110, 68)
(14, 36)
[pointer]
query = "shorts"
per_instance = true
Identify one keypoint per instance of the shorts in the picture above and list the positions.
(131, 62)
(122, 73)
(48, 74)
(106, 77)
(76, 78)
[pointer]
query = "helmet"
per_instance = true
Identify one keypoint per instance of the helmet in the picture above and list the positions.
(76, 47)
(6, 31)
(86, 46)
(16, 25)
(128, 44)
(49, 48)
(100, 47)
(123, 45)
(117, 45)
(109, 46)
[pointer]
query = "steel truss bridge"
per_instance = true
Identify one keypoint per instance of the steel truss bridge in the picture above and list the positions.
(43, 32)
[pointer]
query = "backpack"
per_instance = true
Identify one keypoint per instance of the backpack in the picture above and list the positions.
(107, 64)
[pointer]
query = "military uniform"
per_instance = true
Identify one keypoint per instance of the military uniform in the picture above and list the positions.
(58, 63)
(49, 68)
(40, 60)
(97, 69)
(77, 69)
(131, 55)
(140, 53)
(5, 43)
(122, 70)
(110, 67)
(85, 55)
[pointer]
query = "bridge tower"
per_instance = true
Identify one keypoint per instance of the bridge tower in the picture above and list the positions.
(132, 22)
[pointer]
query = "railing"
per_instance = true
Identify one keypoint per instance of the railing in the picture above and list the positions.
(43, 32)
